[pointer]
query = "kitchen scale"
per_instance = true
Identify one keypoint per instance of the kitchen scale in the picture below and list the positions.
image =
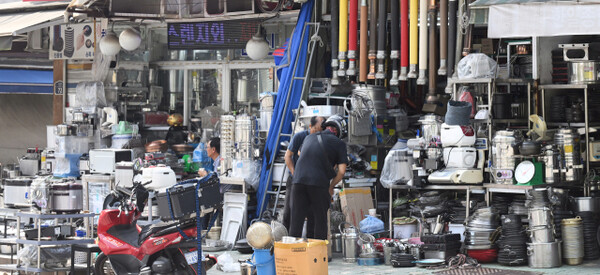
(529, 173)
(457, 176)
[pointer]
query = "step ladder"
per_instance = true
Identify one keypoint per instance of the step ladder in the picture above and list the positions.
(314, 39)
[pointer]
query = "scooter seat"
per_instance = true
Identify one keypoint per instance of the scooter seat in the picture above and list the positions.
(162, 228)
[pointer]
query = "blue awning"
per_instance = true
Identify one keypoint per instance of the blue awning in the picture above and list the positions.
(26, 81)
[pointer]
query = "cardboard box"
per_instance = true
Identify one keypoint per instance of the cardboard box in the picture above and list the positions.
(356, 203)
(305, 258)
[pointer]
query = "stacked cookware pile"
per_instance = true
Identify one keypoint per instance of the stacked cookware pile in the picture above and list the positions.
(480, 228)
(590, 239)
(544, 250)
(517, 207)
(501, 204)
(573, 247)
(512, 247)
(560, 201)
(440, 246)
(403, 260)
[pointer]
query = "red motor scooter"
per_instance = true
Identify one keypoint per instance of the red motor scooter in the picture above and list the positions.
(163, 248)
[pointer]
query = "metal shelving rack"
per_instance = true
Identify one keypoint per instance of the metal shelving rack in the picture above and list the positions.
(40, 243)
(586, 124)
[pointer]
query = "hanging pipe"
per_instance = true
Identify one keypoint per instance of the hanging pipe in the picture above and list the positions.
(364, 37)
(395, 43)
(414, 38)
(422, 80)
(403, 39)
(352, 37)
(343, 41)
(459, 35)
(335, 80)
(382, 35)
(452, 6)
(443, 36)
(433, 50)
(372, 40)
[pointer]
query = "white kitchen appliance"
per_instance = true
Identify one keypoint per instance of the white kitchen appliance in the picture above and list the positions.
(456, 176)
(95, 189)
(124, 174)
(40, 197)
(16, 192)
(102, 161)
(160, 177)
(460, 157)
(457, 135)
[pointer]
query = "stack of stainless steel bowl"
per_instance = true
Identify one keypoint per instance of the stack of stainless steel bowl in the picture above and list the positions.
(544, 250)
(503, 160)
(572, 233)
(480, 227)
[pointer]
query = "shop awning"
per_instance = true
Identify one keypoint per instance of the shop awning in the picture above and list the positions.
(544, 19)
(20, 23)
(26, 81)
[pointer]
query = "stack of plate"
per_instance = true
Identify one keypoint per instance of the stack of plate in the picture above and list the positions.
(480, 227)
(512, 244)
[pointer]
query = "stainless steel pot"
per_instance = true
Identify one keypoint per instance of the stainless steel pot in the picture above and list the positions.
(570, 165)
(544, 255)
(583, 204)
(540, 217)
(584, 72)
(529, 148)
(66, 197)
(503, 161)
(542, 234)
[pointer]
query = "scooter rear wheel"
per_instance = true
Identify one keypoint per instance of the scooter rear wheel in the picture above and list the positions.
(102, 266)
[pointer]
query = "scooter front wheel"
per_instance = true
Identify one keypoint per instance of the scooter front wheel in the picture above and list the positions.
(102, 266)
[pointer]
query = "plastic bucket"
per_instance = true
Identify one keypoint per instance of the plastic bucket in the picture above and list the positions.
(264, 262)
(118, 141)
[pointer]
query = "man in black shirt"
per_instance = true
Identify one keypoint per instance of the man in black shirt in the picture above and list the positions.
(315, 177)
(291, 157)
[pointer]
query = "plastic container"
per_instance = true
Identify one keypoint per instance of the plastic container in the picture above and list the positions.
(457, 229)
(264, 261)
(404, 231)
(118, 141)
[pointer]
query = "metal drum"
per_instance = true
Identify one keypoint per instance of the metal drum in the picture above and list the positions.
(570, 165)
(431, 127)
(503, 161)
(572, 236)
(377, 95)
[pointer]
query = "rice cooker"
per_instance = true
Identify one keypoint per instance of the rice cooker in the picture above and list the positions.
(159, 177)
(16, 192)
(457, 135)
(460, 157)
(67, 197)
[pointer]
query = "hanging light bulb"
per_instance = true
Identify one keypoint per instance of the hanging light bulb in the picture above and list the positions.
(257, 48)
(130, 39)
(109, 44)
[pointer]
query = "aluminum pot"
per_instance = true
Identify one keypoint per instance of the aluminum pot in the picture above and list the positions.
(540, 217)
(544, 255)
(584, 204)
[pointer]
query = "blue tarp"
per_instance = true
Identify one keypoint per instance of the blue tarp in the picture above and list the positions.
(26, 81)
(285, 72)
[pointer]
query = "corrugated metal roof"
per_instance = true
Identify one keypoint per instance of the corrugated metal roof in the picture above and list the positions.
(19, 23)
(486, 3)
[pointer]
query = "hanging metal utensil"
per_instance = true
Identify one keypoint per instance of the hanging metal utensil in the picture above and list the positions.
(364, 34)
(422, 80)
(403, 40)
(372, 39)
(382, 35)
(352, 36)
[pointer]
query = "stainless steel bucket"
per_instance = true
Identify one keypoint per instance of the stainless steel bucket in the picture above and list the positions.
(584, 72)
(583, 204)
(544, 255)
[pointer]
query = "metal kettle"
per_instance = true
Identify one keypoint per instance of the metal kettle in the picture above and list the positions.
(350, 247)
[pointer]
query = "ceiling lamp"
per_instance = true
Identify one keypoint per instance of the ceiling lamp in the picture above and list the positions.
(109, 44)
(257, 48)
(130, 39)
